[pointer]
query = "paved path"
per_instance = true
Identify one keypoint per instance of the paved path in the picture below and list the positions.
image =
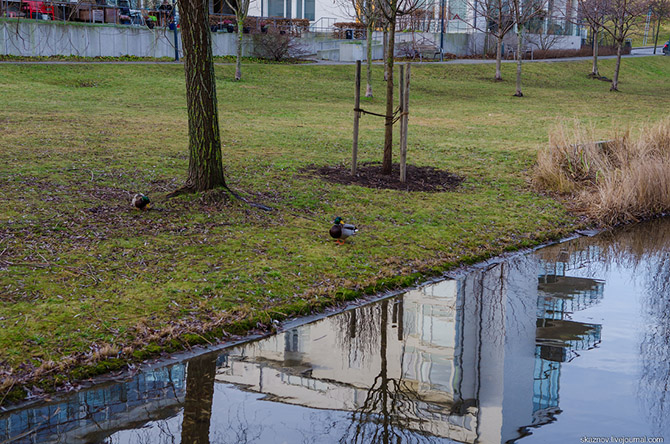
(636, 52)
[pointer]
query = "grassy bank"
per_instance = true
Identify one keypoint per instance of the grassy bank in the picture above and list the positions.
(613, 182)
(84, 276)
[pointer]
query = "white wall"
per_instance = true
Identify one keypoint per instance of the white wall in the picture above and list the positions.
(46, 38)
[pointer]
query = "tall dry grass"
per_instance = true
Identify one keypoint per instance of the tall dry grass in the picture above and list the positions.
(615, 181)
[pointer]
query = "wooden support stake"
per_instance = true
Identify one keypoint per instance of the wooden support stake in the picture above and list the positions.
(357, 117)
(403, 124)
(401, 97)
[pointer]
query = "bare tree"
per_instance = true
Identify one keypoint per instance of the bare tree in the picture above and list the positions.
(661, 10)
(620, 17)
(391, 10)
(241, 10)
(592, 12)
(498, 21)
(277, 45)
(543, 40)
(366, 12)
(205, 166)
(523, 14)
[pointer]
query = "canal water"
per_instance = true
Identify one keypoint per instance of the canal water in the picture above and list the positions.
(568, 344)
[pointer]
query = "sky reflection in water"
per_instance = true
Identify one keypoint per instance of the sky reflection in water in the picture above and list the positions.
(567, 343)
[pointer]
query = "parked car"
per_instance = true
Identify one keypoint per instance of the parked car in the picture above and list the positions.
(666, 48)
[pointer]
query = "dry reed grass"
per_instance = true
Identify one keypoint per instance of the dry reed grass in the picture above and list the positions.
(616, 181)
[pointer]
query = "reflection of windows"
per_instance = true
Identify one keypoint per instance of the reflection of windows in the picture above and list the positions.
(291, 342)
(546, 384)
(437, 325)
(432, 369)
(441, 372)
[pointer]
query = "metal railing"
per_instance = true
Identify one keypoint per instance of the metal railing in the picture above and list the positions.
(324, 24)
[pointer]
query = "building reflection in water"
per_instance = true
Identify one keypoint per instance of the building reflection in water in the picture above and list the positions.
(474, 359)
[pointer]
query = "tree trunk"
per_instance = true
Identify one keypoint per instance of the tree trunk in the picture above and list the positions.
(499, 58)
(388, 130)
(238, 63)
(615, 79)
(519, 56)
(594, 70)
(198, 400)
(658, 28)
(368, 88)
(205, 167)
(385, 48)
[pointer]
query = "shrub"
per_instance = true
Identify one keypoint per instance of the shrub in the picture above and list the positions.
(585, 51)
(616, 181)
(341, 28)
(277, 45)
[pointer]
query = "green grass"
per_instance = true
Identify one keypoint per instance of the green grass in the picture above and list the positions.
(131, 58)
(637, 35)
(80, 268)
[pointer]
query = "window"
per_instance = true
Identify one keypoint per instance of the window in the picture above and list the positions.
(275, 8)
(309, 9)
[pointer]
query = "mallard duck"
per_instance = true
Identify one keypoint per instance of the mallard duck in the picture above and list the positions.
(141, 202)
(340, 231)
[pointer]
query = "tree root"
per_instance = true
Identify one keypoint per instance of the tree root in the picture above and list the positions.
(188, 189)
(598, 77)
(248, 202)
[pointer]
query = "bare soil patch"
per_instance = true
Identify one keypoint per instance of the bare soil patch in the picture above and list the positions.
(369, 175)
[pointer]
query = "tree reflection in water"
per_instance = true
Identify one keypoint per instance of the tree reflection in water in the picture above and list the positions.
(390, 410)
(362, 375)
(645, 251)
(198, 401)
(650, 255)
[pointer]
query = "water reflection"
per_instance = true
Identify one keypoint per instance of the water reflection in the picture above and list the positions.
(498, 355)
(198, 403)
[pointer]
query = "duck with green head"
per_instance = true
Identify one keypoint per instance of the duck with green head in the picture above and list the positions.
(341, 231)
(141, 202)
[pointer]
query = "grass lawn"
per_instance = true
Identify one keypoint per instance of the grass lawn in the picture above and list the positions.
(84, 276)
(637, 35)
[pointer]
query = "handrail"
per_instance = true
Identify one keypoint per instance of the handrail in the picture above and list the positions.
(323, 24)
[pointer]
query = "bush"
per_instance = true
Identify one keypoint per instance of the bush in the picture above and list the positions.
(277, 45)
(585, 51)
(341, 29)
(621, 180)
